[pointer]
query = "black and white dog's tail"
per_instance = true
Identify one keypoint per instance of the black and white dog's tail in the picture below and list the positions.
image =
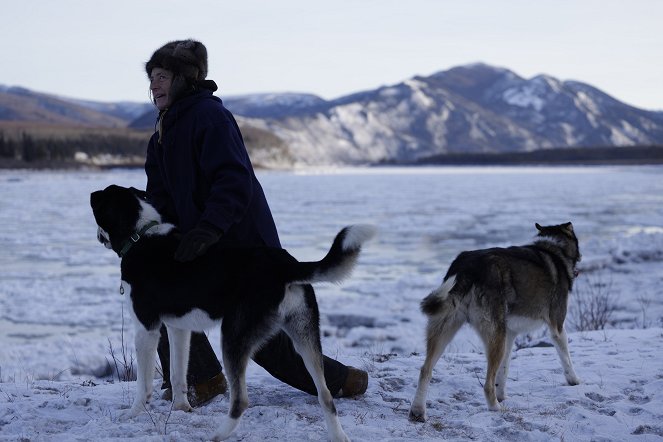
(339, 261)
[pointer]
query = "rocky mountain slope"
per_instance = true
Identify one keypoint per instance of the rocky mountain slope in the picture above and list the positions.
(469, 109)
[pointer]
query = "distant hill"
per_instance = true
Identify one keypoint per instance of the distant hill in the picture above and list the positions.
(125, 110)
(254, 106)
(469, 109)
(20, 104)
(43, 130)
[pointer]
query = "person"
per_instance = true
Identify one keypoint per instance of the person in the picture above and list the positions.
(200, 178)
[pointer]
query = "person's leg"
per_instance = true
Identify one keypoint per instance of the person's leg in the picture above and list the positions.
(163, 350)
(279, 358)
(203, 363)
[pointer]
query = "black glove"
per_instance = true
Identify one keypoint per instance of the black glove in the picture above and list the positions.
(195, 242)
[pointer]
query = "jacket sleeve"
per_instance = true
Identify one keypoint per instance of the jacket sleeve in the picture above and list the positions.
(226, 168)
(155, 188)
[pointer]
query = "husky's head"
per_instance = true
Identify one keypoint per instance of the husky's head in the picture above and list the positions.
(565, 236)
(119, 212)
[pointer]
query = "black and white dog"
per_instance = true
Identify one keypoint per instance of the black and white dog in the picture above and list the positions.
(250, 292)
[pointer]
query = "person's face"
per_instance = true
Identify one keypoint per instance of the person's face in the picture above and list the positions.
(160, 82)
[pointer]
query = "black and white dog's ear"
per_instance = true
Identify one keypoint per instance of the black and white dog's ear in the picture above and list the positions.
(97, 199)
(139, 193)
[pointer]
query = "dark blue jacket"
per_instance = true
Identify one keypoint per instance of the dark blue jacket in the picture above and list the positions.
(198, 169)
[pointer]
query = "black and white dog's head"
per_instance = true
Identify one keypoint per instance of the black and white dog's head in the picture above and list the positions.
(119, 213)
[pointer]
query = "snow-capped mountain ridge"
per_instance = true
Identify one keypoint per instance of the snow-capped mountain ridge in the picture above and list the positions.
(473, 108)
(267, 105)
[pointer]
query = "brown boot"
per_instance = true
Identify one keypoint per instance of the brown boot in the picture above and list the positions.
(206, 391)
(355, 384)
(202, 392)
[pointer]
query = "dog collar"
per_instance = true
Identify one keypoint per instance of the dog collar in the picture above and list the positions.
(133, 239)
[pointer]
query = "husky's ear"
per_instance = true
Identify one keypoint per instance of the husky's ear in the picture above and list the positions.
(568, 228)
(538, 227)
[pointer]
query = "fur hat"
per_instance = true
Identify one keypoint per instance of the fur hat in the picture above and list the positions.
(187, 58)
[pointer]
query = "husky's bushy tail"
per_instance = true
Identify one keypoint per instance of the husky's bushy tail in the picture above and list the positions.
(434, 303)
(340, 260)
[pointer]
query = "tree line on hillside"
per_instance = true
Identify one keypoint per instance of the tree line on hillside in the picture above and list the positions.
(41, 150)
(557, 156)
(40, 147)
(127, 148)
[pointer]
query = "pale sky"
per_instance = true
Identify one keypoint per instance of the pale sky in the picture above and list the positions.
(96, 50)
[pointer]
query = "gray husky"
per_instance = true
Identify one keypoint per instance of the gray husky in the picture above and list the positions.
(502, 292)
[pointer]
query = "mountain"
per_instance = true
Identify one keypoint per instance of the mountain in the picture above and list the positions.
(558, 113)
(472, 109)
(469, 109)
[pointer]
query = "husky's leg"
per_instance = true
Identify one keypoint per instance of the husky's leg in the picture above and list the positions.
(494, 338)
(439, 332)
(561, 342)
(180, 341)
(302, 325)
(503, 371)
(146, 342)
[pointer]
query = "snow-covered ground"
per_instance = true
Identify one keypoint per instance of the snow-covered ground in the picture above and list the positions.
(60, 307)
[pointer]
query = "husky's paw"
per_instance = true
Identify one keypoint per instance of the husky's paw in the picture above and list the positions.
(573, 380)
(340, 438)
(417, 414)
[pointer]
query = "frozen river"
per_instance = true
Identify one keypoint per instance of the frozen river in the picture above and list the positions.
(59, 299)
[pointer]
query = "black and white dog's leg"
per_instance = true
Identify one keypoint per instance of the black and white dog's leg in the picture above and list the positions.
(236, 352)
(180, 342)
(562, 346)
(503, 372)
(146, 342)
(301, 323)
